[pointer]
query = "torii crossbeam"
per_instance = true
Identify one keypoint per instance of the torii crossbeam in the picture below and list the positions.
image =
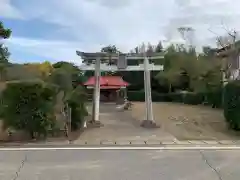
(100, 61)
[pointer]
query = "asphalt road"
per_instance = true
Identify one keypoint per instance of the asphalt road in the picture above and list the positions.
(119, 165)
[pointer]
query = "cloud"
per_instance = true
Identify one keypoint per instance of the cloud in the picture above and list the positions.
(125, 23)
(129, 22)
(53, 50)
(8, 11)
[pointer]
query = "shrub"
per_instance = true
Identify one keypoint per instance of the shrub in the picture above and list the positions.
(214, 98)
(76, 101)
(136, 96)
(140, 96)
(193, 98)
(28, 106)
(174, 97)
(232, 104)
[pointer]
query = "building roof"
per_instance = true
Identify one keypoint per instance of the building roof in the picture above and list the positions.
(107, 81)
(105, 87)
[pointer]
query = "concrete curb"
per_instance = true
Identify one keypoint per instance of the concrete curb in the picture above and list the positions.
(157, 142)
(129, 143)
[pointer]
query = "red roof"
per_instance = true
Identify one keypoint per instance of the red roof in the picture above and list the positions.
(107, 81)
(105, 87)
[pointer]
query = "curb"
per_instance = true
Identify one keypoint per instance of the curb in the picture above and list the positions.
(157, 142)
(128, 143)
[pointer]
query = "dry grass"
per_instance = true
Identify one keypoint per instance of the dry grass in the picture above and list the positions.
(187, 122)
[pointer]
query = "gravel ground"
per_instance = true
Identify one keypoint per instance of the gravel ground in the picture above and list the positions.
(187, 122)
(121, 126)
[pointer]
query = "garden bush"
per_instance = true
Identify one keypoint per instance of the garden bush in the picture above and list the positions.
(193, 98)
(214, 98)
(136, 96)
(28, 106)
(76, 101)
(140, 96)
(211, 98)
(232, 104)
(173, 97)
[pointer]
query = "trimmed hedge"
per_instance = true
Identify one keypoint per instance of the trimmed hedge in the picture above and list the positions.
(28, 106)
(211, 98)
(140, 96)
(232, 104)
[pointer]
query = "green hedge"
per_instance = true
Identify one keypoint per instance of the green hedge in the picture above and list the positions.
(211, 98)
(232, 104)
(140, 96)
(214, 98)
(28, 106)
(193, 98)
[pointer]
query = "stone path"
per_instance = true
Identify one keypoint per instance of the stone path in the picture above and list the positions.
(121, 126)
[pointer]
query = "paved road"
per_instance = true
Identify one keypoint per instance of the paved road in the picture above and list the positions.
(121, 126)
(119, 165)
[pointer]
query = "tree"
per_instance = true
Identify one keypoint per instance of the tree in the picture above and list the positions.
(45, 69)
(150, 49)
(170, 77)
(182, 68)
(4, 33)
(62, 79)
(208, 51)
(4, 54)
(42, 70)
(187, 34)
(229, 53)
(110, 49)
(159, 47)
(77, 76)
(136, 49)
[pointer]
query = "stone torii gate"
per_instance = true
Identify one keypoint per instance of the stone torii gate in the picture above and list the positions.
(101, 61)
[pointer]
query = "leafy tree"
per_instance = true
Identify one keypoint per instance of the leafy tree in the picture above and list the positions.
(77, 76)
(42, 70)
(159, 47)
(181, 68)
(4, 33)
(4, 54)
(208, 51)
(136, 49)
(76, 100)
(22, 72)
(29, 106)
(110, 49)
(170, 77)
(150, 49)
(45, 69)
(62, 79)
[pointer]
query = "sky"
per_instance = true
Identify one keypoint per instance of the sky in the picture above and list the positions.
(53, 30)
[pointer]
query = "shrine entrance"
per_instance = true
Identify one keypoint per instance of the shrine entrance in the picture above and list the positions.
(101, 61)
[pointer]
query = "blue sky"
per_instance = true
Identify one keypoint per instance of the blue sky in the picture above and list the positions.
(54, 29)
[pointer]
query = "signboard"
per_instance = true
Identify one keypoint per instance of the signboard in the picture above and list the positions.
(122, 62)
